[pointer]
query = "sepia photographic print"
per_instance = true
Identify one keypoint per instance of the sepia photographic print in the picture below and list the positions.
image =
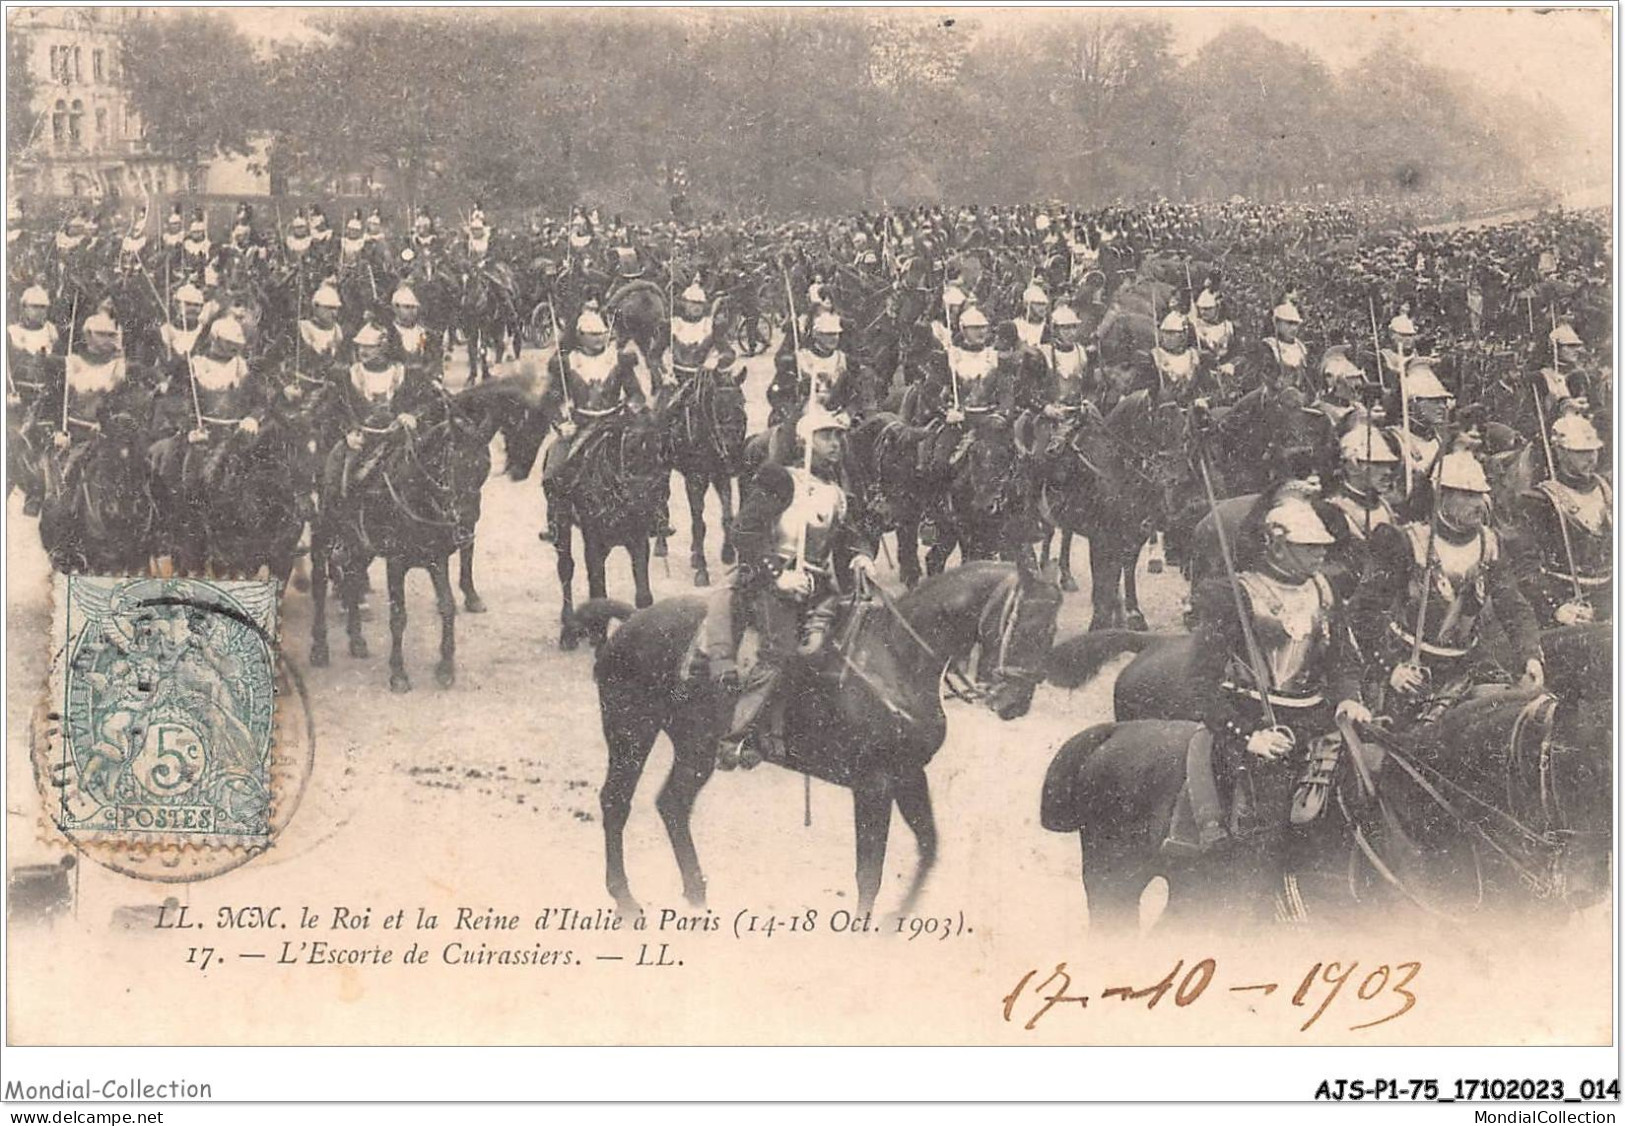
(812, 527)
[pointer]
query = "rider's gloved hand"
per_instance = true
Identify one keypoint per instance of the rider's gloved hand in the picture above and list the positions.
(795, 582)
(197, 436)
(408, 421)
(249, 426)
(292, 393)
(863, 567)
(1534, 675)
(1353, 711)
(567, 430)
(1054, 410)
(1575, 614)
(353, 439)
(14, 400)
(1269, 743)
(60, 439)
(953, 416)
(1407, 678)
(1227, 369)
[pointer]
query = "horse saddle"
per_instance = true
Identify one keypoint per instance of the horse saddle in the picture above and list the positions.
(1209, 812)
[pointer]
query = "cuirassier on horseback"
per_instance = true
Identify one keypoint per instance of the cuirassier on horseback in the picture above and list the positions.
(795, 529)
(703, 407)
(605, 473)
(96, 511)
(32, 366)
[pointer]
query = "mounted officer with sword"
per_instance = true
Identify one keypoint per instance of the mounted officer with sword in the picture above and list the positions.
(1275, 662)
(794, 525)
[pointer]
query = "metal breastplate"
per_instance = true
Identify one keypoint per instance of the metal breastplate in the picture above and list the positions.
(1213, 338)
(89, 383)
(690, 343)
(414, 339)
(179, 341)
(974, 370)
(1363, 519)
(1421, 451)
(1068, 364)
(221, 387)
(592, 375)
(1029, 333)
(1458, 584)
(1177, 368)
(377, 386)
(816, 506)
(196, 249)
(1291, 626)
(318, 340)
(1290, 356)
(825, 372)
(33, 341)
(297, 246)
(1590, 519)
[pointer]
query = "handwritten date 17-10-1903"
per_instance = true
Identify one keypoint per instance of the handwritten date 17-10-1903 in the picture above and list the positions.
(1382, 992)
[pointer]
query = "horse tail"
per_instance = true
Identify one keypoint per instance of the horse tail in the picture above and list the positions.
(1061, 808)
(593, 617)
(1078, 660)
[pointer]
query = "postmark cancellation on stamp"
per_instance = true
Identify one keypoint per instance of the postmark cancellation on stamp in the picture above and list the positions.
(164, 699)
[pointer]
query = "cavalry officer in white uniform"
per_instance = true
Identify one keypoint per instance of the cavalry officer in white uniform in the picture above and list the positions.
(591, 387)
(790, 531)
(1444, 572)
(1565, 532)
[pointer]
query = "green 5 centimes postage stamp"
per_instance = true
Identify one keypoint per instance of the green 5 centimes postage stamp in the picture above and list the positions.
(162, 713)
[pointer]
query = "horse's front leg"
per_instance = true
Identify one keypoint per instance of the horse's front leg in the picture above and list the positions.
(395, 579)
(871, 815)
(445, 673)
(908, 550)
(725, 493)
(352, 589)
(1132, 618)
(696, 485)
(565, 547)
(1068, 583)
(638, 549)
(465, 579)
(319, 655)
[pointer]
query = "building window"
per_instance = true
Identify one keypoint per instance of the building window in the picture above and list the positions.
(96, 65)
(78, 68)
(61, 65)
(101, 128)
(59, 123)
(76, 124)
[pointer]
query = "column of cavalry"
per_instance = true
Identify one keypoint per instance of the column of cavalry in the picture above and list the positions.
(1375, 457)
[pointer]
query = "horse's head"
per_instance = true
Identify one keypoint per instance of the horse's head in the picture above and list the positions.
(1016, 631)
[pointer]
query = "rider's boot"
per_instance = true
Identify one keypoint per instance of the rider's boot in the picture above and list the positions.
(736, 747)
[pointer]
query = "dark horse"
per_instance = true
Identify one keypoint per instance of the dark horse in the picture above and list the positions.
(97, 513)
(985, 513)
(247, 504)
(705, 441)
(615, 495)
(489, 315)
(1112, 481)
(419, 504)
(874, 731)
(1503, 804)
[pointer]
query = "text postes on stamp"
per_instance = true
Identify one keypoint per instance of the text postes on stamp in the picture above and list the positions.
(161, 720)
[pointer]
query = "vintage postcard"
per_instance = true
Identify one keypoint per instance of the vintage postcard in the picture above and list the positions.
(808, 527)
